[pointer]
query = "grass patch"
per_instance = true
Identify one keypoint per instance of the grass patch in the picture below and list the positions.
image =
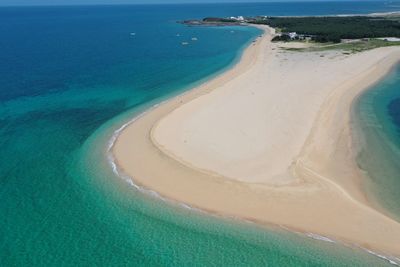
(347, 48)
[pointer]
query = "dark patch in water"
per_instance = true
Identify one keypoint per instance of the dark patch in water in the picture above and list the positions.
(394, 112)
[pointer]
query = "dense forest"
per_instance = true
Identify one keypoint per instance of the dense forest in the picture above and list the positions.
(333, 29)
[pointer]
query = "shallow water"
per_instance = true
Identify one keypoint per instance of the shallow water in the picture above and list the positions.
(377, 127)
(69, 77)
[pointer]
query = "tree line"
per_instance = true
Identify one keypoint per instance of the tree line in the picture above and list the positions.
(333, 29)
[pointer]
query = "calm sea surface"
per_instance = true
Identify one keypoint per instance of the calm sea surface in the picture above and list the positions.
(69, 76)
(377, 131)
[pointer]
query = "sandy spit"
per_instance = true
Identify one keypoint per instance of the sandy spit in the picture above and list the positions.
(268, 141)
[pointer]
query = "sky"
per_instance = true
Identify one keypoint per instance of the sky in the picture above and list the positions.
(89, 2)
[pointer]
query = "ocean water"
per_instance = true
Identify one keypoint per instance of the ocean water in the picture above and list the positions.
(377, 121)
(69, 77)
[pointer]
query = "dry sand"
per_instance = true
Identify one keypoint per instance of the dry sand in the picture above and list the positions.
(268, 141)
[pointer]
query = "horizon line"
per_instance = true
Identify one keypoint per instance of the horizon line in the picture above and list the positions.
(175, 3)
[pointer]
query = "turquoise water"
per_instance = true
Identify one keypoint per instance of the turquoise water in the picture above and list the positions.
(69, 77)
(377, 119)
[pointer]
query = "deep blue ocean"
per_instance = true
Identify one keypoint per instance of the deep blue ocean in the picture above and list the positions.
(68, 77)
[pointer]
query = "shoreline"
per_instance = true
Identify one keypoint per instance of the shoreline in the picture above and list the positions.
(379, 142)
(148, 120)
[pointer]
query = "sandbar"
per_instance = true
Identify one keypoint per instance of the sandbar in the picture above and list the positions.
(269, 141)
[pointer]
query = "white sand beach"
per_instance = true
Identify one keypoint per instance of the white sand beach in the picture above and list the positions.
(268, 141)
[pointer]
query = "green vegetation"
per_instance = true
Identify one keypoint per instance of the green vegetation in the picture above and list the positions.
(335, 28)
(347, 48)
(224, 20)
(281, 38)
(326, 33)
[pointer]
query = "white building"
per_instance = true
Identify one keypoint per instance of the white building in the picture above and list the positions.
(292, 35)
(238, 18)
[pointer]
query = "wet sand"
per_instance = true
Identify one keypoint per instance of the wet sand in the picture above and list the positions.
(268, 141)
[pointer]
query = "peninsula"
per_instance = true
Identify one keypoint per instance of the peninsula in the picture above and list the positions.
(268, 141)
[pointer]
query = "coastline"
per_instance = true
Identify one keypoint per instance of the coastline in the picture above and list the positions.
(309, 170)
(376, 143)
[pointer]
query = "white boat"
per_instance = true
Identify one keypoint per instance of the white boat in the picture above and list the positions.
(184, 43)
(194, 39)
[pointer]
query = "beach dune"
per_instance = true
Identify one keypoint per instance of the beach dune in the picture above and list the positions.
(269, 141)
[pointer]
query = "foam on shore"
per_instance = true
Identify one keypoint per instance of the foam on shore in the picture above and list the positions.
(320, 181)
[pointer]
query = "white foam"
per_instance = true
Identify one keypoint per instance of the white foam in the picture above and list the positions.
(391, 259)
(320, 237)
(122, 175)
(186, 206)
(130, 180)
